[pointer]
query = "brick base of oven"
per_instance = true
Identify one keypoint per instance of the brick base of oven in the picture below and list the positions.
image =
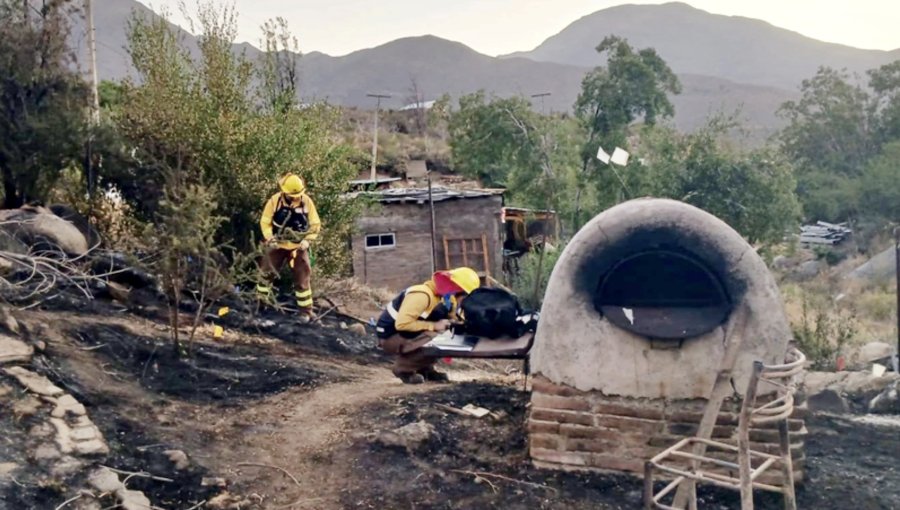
(576, 430)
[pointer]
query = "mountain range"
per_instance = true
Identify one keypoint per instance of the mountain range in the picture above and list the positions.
(725, 63)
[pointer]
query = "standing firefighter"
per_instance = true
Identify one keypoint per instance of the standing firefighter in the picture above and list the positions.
(416, 315)
(289, 223)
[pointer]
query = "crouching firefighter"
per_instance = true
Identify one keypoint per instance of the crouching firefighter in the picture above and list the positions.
(289, 223)
(416, 315)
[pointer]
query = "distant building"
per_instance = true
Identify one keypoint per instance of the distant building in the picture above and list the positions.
(393, 245)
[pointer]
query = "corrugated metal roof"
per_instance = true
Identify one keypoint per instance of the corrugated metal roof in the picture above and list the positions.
(420, 195)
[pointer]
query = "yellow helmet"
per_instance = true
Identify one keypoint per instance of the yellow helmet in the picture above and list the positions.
(466, 278)
(292, 184)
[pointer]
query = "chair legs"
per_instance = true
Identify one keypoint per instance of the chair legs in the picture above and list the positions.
(787, 466)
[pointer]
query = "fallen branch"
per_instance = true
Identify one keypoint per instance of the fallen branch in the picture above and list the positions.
(66, 502)
(139, 474)
(451, 409)
(484, 475)
(198, 505)
(93, 347)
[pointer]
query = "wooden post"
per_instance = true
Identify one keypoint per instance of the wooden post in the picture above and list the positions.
(446, 253)
(465, 255)
(487, 260)
(746, 467)
(433, 247)
(787, 466)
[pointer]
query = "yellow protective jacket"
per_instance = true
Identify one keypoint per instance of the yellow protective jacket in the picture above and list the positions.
(418, 304)
(280, 199)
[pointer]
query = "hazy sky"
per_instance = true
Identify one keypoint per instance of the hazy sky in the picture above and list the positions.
(495, 27)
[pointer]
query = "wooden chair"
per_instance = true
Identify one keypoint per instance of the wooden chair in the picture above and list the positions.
(750, 464)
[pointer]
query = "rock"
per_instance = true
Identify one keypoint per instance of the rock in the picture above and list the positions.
(815, 382)
(226, 501)
(807, 270)
(179, 458)
(41, 430)
(133, 500)
(888, 401)
(86, 434)
(213, 481)
(13, 350)
(105, 480)
(407, 436)
(357, 328)
(34, 382)
(828, 401)
(66, 466)
(4, 391)
(46, 451)
(7, 468)
(343, 325)
(780, 262)
(77, 219)
(67, 404)
(63, 435)
(38, 227)
(8, 321)
(871, 352)
(864, 383)
(26, 406)
(92, 447)
(881, 267)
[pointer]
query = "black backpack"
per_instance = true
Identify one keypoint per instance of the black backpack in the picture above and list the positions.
(492, 313)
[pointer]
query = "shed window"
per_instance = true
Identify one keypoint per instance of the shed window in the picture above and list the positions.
(374, 241)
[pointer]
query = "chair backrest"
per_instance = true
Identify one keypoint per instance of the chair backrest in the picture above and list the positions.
(783, 378)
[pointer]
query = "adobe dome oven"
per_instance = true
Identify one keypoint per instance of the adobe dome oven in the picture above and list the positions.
(632, 334)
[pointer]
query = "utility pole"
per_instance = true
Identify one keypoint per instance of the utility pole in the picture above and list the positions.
(542, 95)
(897, 266)
(92, 48)
(378, 98)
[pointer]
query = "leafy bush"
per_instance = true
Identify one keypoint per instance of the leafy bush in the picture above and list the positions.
(534, 274)
(824, 337)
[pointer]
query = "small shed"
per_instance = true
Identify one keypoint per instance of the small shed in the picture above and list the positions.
(393, 245)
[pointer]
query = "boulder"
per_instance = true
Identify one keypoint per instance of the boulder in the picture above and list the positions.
(74, 217)
(881, 267)
(407, 436)
(807, 270)
(872, 352)
(13, 350)
(888, 401)
(39, 228)
(828, 401)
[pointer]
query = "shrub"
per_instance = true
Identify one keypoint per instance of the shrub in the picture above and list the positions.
(824, 337)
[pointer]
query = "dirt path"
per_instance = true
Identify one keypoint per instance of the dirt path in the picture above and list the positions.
(304, 432)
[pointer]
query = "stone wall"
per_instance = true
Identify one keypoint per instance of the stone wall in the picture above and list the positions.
(584, 430)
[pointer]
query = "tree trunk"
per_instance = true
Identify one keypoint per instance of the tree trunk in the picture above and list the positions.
(11, 198)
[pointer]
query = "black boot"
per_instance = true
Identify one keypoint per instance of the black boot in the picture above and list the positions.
(430, 374)
(411, 378)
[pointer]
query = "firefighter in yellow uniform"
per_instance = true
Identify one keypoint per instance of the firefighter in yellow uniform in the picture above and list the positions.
(289, 223)
(416, 315)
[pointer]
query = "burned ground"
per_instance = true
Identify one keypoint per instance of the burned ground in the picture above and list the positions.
(847, 462)
(209, 373)
(296, 397)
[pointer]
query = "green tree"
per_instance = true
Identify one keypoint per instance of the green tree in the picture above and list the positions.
(879, 186)
(751, 191)
(633, 85)
(885, 85)
(486, 137)
(829, 139)
(204, 117)
(43, 121)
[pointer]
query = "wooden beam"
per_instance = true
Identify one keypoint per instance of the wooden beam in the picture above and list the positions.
(446, 254)
(484, 249)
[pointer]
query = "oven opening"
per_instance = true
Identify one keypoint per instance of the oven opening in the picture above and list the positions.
(662, 294)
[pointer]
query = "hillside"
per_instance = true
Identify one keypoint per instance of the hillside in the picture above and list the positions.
(693, 41)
